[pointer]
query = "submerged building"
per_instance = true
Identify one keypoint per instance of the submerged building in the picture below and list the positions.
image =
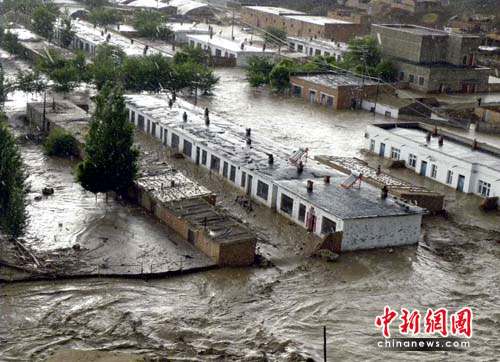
(463, 164)
(320, 199)
(432, 60)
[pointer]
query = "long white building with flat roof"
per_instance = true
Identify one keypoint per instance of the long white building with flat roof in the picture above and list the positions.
(463, 164)
(225, 48)
(258, 167)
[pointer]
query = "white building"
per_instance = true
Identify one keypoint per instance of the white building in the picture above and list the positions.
(260, 168)
(88, 38)
(225, 48)
(316, 47)
(182, 30)
(458, 162)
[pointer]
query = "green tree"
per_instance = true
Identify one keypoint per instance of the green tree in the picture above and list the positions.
(275, 35)
(152, 24)
(110, 163)
(96, 3)
(43, 18)
(6, 87)
(107, 65)
(30, 82)
(104, 16)
(10, 42)
(13, 187)
(258, 70)
(191, 54)
(152, 73)
(61, 144)
(67, 34)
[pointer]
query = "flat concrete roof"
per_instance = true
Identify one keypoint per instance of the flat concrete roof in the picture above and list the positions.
(152, 4)
(93, 35)
(334, 80)
(275, 10)
(345, 203)
(414, 29)
(227, 44)
(185, 6)
(228, 140)
(450, 147)
(318, 20)
(319, 42)
(186, 27)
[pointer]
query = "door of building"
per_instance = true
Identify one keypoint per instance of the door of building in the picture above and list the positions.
(249, 185)
(382, 150)
(423, 168)
(197, 155)
(461, 183)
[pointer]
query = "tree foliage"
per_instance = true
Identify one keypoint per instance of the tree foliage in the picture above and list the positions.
(30, 82)
(10, 42)
(43, 18)
(104, 16)
(107, 66)
(110, 163)
(258, 70)
(13, 187)
(152, 24)
(61, 144)
(67, 34)
(275, 35)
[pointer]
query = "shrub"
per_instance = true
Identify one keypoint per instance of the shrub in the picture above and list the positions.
(61, 144)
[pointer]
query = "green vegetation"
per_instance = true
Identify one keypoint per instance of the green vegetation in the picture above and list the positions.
(362, 58)
(10, 43)
(275, 35)
(110, 163)
(43, 18)
(152, 24)
(67, 34)
(104, 16)
(13, 187)
(61, 144)
(5, 88)
(30, 82)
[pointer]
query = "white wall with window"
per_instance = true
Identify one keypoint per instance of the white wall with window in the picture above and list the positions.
(445, 168)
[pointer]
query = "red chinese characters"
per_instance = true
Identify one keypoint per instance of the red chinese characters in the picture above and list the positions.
(411, 322)
(386, 320)
(461, 323)
(435, 321)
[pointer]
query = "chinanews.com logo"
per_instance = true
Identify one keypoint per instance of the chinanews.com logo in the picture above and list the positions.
(443, 331)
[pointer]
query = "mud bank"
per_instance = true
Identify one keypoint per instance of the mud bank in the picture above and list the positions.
(92, 356)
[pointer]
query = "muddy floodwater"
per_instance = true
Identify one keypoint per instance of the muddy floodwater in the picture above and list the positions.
(253, 314)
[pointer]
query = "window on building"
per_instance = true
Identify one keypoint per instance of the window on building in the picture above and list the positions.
(297, 91)
(187, 149)
(149, 125)
(141, 122)
(204, 157)
(300, 48)
(175, 141)
(132, 116)
(328, 226)
(317, 52)
(232, 174)
(421, 80)
(484, 188)
(387, 113)
(434, 171)
(327, 54)
(243, 179)
(218, 53)
(225, 169)
(302, 212)
(329, 101)
(411, 78)
(286, 204)
(153, 129)
(395, 153)
(161, 133)
(449, 177)
(262, 190)
(401, 75)
(412, 160)
(372, 145)
(165, 136)
(215, 163)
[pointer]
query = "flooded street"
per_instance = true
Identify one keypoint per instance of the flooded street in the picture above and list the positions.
(251, 314)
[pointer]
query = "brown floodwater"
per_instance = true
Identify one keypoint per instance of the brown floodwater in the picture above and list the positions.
(254, 314)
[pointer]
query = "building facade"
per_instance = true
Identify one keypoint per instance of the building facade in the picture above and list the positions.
(460, 163)
(298, 24)
(316, 47)
(224, 48)
(334, 89)
(431, 60)
(261, 170)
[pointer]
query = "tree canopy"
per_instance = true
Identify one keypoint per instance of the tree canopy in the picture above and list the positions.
(110, 162)
(104, 16)
(43, 18)
(152, 24)
(13, 187)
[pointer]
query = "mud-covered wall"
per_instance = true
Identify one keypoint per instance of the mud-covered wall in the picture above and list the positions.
(368, 233)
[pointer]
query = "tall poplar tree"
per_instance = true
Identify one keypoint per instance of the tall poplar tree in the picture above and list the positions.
(110, 162)
(13, 187)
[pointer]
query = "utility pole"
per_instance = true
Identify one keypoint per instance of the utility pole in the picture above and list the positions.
(324, 342)
(232, 27)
